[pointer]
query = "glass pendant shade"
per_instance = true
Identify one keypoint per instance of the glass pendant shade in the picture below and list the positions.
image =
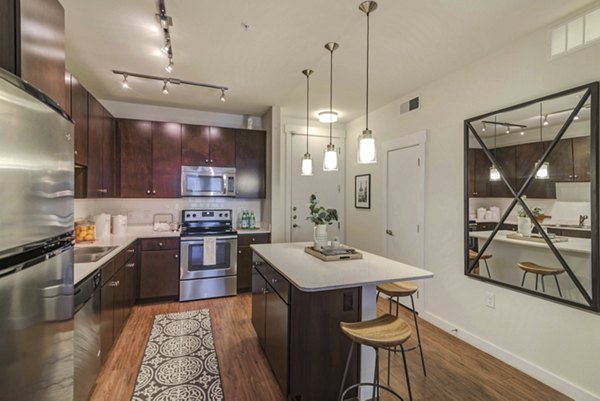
(543, 172)
(307, 165)
(494, 174)
(330, 158)
(367, 153)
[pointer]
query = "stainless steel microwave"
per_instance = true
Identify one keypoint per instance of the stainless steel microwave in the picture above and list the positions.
(207, 181)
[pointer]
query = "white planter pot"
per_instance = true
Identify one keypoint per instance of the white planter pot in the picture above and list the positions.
(320, 236)
(524, 226)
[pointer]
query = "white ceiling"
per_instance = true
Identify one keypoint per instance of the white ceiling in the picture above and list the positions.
(412, 43)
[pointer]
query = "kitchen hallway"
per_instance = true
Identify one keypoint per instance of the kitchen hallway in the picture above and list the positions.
(456, 371)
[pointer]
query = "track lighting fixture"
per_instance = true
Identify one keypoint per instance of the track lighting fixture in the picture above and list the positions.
(166, 49)
(367, 152)
(542, 171)
(494, 173)
(169, 67)
(546, 120)
(483, 128)
(508, 129)
(166, 81)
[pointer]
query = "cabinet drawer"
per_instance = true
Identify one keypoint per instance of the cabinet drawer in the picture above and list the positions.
(249, 239)
(125, 255)
(108, 270)
(274, 279)
(158, 244)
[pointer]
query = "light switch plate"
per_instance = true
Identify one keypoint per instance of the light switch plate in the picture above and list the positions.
(490, 300)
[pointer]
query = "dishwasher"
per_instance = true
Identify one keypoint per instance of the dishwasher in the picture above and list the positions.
(87, 335)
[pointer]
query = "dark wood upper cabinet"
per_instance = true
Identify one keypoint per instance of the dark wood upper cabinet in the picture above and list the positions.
(507, 161)
(95, 178)
(482, 174)
(135, 158)
(526, 154)
(37, 58)
(561, 161)
(166, 160)
(581, 159)
(79, 114)
(108, 155)
(208, 146)
(195, 149)
(222, 147)
(251, 164)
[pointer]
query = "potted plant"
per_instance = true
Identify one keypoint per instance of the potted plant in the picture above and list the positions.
(321, 217)
(524, 222)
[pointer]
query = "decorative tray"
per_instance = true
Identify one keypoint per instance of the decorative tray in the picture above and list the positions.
(536, 238)
(331, 255)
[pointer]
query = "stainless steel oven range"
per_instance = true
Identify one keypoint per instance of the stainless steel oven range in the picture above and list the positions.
(208, 266)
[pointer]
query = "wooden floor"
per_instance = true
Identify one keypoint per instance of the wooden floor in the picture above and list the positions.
(455, 370)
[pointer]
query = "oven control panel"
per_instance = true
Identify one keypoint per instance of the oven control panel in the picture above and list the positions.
(206, 215)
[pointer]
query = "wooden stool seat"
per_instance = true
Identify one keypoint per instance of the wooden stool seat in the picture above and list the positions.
(473, 255)
(398, 289)
(534, 268)
(386, 331)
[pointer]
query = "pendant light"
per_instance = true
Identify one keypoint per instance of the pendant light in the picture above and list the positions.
(543, 171)
(367, 153)
(307, 163)
(330, 156)
(494, 173)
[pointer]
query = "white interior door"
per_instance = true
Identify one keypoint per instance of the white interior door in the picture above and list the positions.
(404, 233)
(326, 185)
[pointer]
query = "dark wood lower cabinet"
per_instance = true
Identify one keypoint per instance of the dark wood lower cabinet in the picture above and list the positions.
(300, 334)
(107, 318)
(244, 258)
(159, 269)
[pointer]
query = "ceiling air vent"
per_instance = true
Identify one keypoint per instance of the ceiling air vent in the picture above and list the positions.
(410, 105)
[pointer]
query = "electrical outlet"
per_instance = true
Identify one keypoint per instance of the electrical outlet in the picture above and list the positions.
(490, 300)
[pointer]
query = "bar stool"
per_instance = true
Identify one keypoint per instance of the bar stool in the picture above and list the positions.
(397, 290)
(385, 332)
(543, 271)
(473, 255)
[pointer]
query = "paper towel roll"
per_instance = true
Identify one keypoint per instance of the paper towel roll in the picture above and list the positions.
(119, 225)
(102, 222)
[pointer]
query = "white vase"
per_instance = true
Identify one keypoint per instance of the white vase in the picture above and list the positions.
(320, 236)
(524, 226)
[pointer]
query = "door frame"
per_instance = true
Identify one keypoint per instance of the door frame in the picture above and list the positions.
(290, 129)
(419, 139)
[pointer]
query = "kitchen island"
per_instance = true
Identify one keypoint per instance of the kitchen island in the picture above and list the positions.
(297, 304)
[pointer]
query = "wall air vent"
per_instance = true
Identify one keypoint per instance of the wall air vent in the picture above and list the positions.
(410, 105)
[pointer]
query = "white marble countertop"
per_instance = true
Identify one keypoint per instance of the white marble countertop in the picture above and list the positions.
(82, 270)
(580, 245)
(308, 273)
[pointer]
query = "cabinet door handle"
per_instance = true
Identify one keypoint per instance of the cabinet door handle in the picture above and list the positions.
(575, 176)
(160, 244)
(131, 250)
(148, 192)
(75, 153)
(154, 192)
(206, 161)
(253, 239)
(113, 284)
(103, 191)
(130, 265)
(239, 252)
(265, 291)
(176, 256)
(211, 160)
(274, 281)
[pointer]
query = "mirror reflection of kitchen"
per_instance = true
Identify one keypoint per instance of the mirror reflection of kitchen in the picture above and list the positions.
(558, 197)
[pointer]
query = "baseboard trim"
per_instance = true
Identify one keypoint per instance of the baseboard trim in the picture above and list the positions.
(535, 371)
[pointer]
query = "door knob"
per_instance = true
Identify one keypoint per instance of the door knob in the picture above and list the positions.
(295, 225)
(389, 232)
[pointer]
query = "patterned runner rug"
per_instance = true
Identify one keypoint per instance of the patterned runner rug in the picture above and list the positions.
(180, 362)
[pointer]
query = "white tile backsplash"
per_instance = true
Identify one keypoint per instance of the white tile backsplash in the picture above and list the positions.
(142, 211)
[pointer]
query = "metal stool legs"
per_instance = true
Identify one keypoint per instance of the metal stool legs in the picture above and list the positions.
(487, 268)
(419, 344)
(537, 276)
(376, 385)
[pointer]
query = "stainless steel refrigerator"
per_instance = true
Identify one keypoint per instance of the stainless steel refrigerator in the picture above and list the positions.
(36, 245)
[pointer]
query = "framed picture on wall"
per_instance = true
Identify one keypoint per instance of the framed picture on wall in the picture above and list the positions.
(362, 191)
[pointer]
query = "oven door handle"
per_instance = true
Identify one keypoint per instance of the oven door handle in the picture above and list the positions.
(200, 239)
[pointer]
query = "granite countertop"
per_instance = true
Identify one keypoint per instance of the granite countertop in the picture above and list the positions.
(308, 273)
(82, 270)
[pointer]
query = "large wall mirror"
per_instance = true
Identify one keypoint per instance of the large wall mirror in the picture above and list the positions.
(531, 197)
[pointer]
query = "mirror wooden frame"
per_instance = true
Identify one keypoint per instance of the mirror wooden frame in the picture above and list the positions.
(591, 92)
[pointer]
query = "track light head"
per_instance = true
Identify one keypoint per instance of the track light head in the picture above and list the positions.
(165, 88)
(169, 67)
(124, 83)
(223, 99)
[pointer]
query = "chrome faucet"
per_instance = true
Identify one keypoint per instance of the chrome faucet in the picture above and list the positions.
(582, 219)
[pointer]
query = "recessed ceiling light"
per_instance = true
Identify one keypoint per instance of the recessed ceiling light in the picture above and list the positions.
(327, 117)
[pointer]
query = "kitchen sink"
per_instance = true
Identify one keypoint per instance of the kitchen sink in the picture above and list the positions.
(90, 254)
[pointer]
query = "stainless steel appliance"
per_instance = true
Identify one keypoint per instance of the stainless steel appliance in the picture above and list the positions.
(87, 335)
(207, 181)
(207, 273)
(36, 245)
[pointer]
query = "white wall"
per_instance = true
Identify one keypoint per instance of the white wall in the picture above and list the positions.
(172, 114)
(559, 345)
